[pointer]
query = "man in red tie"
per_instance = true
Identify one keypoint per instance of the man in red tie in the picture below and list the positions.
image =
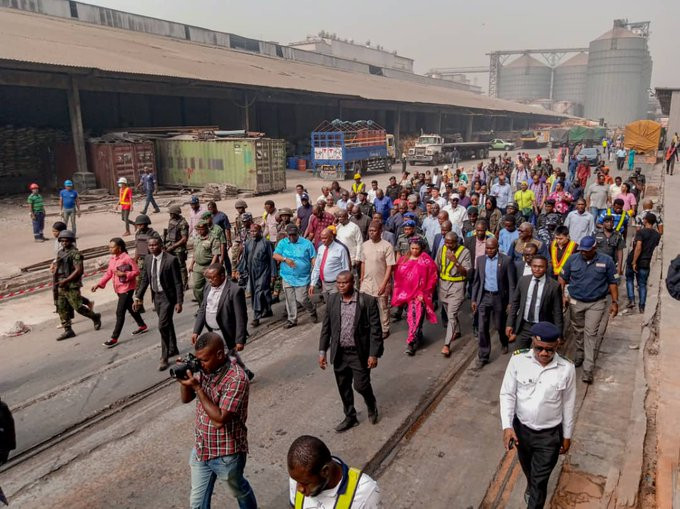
(332, 258)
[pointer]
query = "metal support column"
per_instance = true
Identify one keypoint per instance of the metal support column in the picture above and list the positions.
(439, 123)
(511, 124)
(470, 125)
(76, 119)
(397, 131)
(246, 112)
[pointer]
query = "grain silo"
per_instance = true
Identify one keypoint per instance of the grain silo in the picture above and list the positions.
(569, 81)
(619, 76)
(524, 79)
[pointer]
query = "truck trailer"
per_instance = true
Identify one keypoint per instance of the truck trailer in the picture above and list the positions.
(341, 149)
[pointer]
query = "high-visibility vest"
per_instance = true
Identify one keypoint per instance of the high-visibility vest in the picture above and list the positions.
(344, 501)
(358, 188)
(446, 267)
(125, 196)
(558, 264)
(618, 227)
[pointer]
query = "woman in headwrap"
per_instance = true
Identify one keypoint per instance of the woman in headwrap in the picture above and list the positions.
(414, 282)
(492, 214)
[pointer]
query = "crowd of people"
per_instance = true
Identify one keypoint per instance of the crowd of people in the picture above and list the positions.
(519, 237)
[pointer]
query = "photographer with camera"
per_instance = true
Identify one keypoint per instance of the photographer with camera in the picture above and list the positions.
(220, 429)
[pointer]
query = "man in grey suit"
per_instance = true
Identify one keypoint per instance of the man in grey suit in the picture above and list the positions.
(224, 311)
(493, 284)
(162, 273)
(537, 298)
(353, 333)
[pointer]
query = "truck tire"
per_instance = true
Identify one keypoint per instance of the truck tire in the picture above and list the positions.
(507, 148)
(388, 165)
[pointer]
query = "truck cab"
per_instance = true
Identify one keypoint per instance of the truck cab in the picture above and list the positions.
(428, 149)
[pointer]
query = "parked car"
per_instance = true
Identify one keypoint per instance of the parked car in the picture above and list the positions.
(499, 144)
(590, 153)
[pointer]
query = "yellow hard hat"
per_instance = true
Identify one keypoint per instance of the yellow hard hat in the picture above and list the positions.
(357, 176)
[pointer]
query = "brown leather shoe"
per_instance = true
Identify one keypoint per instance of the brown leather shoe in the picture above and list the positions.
(164, 365)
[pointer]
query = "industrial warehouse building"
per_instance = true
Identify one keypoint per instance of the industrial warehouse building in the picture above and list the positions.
(64, 80)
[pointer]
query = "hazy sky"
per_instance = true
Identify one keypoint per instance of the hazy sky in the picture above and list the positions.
(436, 33)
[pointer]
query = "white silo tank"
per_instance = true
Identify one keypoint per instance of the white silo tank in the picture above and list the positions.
(569, 81)
(524, 79)
(619, 76)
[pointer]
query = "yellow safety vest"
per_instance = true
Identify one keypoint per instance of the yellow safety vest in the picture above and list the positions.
(344, 501)
(557, 265)
(610, 212)
(446, 268)
(358, 188)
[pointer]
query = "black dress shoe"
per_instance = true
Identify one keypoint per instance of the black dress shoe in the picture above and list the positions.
(97, 321)
(315, 317)
(164, 365)
(578, 362)
(373, 415)
(250, 374)
(289, 325)
(255, 323)
(347, 423)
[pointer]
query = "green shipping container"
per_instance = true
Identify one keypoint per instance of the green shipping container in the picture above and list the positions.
(257, 165)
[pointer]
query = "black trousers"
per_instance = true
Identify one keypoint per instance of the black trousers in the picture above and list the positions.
(165, 311)
(523, 339)
(125, 304)
(491, 304)
(348, 368)
(538, 452)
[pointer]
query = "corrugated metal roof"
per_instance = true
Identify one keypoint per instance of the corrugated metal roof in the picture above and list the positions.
(526, 61)
(34, 38)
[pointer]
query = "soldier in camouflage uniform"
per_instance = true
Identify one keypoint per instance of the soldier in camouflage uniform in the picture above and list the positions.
(240, 207)
(68, 274)
(143, 232)
(217, 232)
(404, 240)
(176, 238)
(284, 217)
(242, 235)
(206, 252)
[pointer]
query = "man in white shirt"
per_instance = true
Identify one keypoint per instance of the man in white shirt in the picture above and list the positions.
(457, 213)
(580, 222)
(331, 259)
(537, 409)
(372, 191)
(350, 235)
(321, 481)
(502, 191)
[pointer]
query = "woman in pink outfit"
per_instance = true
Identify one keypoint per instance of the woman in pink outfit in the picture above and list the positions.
(414, 281)
(124, 271)
(629, 201)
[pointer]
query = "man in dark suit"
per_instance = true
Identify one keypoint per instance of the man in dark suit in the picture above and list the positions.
(224, 311)
(352, 331)
(492, 287)
(523, 266)
(162, 272)
(537, 298)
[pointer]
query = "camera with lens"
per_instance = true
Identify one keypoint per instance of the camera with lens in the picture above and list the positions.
(179, 370)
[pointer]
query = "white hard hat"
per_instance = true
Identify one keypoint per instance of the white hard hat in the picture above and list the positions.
(446, 167)
(122, 180)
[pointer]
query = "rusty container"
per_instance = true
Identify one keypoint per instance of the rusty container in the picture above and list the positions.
(110, 161)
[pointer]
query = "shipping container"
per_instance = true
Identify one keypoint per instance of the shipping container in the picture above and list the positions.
(111, 161)
(257, 165)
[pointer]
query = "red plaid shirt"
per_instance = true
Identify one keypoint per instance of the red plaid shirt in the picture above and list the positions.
(228, 389)
(316, 226)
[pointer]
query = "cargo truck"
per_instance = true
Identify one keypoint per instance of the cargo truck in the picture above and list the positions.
(340, 149)
(435, 149)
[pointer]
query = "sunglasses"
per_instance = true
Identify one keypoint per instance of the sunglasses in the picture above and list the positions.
(540, 349)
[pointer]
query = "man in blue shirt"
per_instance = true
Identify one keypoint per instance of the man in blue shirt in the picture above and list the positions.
(296, 256)
(591, 277)
(508, 234)
(493, 284)
(148, 183)
(382, 204)
(331, 260)
(69, 204)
